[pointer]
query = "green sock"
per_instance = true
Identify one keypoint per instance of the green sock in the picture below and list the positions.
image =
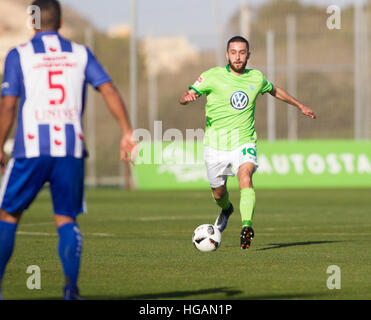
(223, 202)
(247, 206)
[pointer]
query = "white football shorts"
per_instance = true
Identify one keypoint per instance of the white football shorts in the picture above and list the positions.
(220, 164)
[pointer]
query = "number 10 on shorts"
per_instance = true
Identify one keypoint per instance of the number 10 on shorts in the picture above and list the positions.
(251, 151)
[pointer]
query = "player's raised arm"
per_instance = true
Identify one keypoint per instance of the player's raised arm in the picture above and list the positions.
(188, 96)
(7, 114)
(117, 107)
(282, 95)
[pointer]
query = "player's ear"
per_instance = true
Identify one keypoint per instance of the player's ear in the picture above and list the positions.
(61, 23)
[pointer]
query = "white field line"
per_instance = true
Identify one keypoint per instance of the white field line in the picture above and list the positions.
(100, 234)
(55, 234)
(269, 231)
(36, 233)
(204, 217)
(264, 234)
(164, 218)
(153, 218)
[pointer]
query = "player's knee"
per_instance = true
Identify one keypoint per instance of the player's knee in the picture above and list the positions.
(219, 193)
(246, 182)
(12, 218)
(245, 178)
(60, 220)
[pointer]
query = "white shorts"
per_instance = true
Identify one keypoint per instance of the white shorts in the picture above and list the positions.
(221, 163)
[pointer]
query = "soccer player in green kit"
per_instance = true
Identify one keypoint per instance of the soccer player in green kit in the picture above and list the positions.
(230, 137)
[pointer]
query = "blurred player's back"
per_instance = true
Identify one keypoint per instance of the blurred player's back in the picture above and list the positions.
(49, 75)
(55, 72)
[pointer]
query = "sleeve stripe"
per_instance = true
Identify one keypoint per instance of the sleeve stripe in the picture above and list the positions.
(193, 88)
(10, 93)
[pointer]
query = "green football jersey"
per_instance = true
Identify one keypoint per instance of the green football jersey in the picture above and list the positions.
(230, 106)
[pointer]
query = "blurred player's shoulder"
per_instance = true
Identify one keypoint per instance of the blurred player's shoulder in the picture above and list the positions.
(76, 47)
(24, 44)
(13, 51)
(66, 45)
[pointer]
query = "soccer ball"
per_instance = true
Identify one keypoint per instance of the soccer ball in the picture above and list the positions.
(206, 237)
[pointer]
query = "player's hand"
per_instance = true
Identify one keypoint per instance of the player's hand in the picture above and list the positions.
(308, 112)
(2, 161)
(188, 96)
(129, 148)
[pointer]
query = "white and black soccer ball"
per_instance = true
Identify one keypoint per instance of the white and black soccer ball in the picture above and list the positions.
(206, 237)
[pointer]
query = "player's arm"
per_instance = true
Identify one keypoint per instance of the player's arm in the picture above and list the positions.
(282, 95)
(7, 115)
(117, 107)
(188, 96)
(10, 91)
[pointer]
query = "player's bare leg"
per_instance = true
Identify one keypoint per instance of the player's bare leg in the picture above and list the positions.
(247, 203)
(8, 227)
(244, 174)
(221, 198)
(69, 250)
(11, 218)
(60, 220)
(219, 192)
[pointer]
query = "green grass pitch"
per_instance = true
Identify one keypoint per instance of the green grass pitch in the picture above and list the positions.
(137, 245)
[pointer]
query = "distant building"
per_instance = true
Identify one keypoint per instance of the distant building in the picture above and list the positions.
(168, 54)
(119, 31)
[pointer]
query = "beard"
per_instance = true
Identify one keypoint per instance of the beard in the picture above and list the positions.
(240, 69)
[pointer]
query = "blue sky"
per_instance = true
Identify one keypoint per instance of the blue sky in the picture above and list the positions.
(193, 18)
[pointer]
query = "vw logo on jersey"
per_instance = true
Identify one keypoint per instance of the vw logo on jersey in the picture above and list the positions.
(239, 100)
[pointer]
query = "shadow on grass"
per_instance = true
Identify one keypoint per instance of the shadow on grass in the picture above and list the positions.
(287, 296)
(184, 295)
(229, 293)
(294, 244)
(179, 296)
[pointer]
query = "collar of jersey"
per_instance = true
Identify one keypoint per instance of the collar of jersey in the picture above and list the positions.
(38, 35)
(228, 69)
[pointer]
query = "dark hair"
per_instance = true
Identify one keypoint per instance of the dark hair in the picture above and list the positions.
(237, 39)
(51, 14)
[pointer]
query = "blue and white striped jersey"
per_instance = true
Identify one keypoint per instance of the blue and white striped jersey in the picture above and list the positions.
(49, 74)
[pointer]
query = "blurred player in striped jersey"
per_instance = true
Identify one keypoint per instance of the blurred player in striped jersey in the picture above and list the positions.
(230, 137)
(49, 75)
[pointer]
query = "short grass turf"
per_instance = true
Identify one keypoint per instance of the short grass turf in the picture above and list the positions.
(137, 245)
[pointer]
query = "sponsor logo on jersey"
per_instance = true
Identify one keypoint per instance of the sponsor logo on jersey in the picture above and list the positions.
(62, 115)
(239, 100)
(199, 81)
